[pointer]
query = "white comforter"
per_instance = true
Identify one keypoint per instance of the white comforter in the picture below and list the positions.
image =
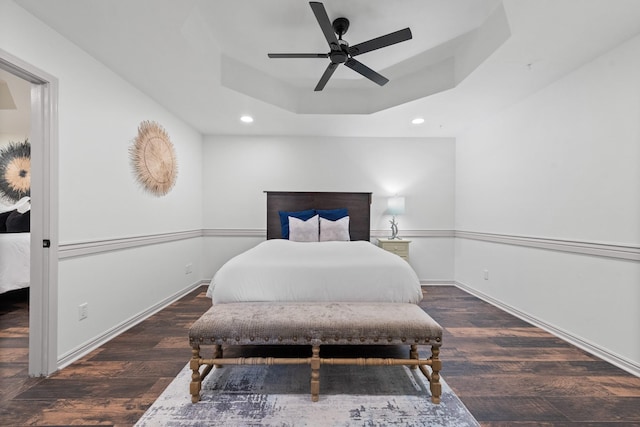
(282, 270)
(14, 261)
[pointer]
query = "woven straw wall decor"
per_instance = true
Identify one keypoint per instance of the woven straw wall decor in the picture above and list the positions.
(15, 171)
(154, 159)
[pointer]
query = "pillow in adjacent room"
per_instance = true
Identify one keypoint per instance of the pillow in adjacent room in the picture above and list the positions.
(303, 231)
(337, 230)
(332, 214)
(3, 220)
(284, 219)
(19, 223)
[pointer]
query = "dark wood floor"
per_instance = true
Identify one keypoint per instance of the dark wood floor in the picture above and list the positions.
(507, 372)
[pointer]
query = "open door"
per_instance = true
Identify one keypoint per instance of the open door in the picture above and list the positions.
(43, 300)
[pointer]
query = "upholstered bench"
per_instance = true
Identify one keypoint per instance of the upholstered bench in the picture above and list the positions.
(315, 324)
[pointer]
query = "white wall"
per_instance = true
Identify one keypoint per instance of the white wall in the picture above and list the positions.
(239, 169)
(14, 124)
(98, 197)
(6, 139)
(562, 164)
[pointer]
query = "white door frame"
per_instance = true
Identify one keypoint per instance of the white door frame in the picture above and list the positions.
(43, 299)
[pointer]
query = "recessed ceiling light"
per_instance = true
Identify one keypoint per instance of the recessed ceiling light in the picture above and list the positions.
(246, 119)
(417, 121)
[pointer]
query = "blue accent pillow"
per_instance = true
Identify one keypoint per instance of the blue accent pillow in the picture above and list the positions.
(333, 214)
(284, 219)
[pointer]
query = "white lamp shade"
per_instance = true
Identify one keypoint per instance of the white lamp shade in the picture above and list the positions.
(395, 205)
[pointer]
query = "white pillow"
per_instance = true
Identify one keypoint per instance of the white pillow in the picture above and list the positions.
(337, 230)
(303, 231)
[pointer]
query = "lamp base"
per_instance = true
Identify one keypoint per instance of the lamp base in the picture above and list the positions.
(394, 229)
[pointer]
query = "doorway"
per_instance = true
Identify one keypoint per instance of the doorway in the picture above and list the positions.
(43, 136)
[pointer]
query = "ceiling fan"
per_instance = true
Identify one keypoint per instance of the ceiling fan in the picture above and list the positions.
(340, 51)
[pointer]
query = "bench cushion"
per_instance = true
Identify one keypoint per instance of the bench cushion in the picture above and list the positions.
(315, 323)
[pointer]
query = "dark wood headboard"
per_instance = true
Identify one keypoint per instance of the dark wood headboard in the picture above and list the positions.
(357, 204)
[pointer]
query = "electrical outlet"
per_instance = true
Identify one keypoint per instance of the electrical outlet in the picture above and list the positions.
(486, 274)
(83, 311)
(188, 269)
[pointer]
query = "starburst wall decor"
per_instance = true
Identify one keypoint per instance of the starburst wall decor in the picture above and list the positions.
(15, 171)
(153, 159)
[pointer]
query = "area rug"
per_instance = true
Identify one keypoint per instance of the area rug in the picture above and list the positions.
(279, 396)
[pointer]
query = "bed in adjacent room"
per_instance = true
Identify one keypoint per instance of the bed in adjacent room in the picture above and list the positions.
(14, 261)
(15, 249)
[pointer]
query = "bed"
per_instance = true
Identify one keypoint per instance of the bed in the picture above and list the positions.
(343, 291)
(15, 251)
(279, 269)
(283, 270)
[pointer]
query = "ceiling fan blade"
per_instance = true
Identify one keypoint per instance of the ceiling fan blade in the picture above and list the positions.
(298, 55)
(367, 72)
(382, 41)
(323, 19)
(325, 77)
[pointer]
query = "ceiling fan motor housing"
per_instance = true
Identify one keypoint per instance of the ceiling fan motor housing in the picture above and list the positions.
(339, 54)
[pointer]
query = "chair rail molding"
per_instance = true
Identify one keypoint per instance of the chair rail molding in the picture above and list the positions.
(415, 233)
(72, 250)
(607, 250)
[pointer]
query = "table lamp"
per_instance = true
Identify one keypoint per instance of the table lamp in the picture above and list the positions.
(395, 206)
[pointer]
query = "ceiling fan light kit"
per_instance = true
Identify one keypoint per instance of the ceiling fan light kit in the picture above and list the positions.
(340, 52)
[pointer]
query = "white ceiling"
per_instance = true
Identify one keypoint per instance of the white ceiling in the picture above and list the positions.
(177, 52)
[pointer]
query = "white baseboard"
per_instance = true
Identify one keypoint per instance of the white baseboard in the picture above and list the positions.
(86, 348)
(437, 283)
(602, 353)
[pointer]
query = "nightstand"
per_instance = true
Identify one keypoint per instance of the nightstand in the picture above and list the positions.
(398, 247)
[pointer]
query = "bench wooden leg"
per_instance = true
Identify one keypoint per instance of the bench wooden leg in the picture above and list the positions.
(315, 373)
(413, 354)
(436, 365)
(217, 354)
(196, 382)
